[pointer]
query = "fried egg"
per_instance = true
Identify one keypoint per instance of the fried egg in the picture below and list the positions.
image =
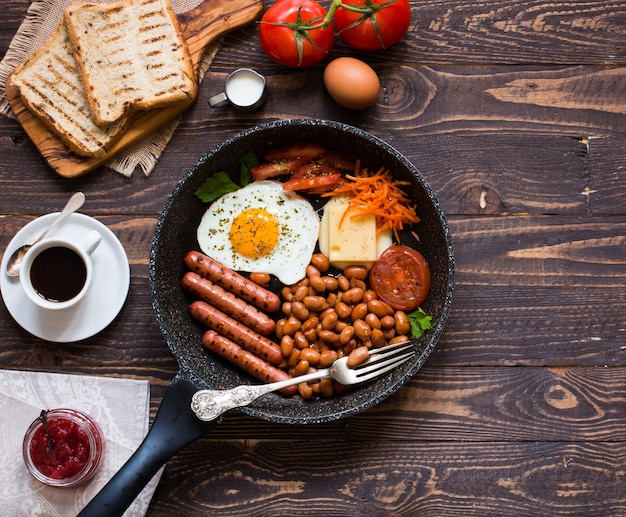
(261, 228)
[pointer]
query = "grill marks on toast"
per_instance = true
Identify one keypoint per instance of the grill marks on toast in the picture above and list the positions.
(141, 60)
(130, 54)
(50, 86)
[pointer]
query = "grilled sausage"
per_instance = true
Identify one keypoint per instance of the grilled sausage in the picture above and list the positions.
(232, 281)
(227, 302)
(245, 360)
(237, 332)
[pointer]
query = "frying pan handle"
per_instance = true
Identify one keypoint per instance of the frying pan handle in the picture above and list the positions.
(174, 427)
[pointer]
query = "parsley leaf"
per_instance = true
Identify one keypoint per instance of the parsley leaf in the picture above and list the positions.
(216, 186)
(220, 183)
(246, 163)
(420, 321)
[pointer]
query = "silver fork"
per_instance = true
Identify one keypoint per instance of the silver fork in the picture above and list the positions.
(210, 404)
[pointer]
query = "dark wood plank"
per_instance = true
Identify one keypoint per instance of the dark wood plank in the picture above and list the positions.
(567, 404)
(432, 99)
(607, 182)
(560, 290)
(374, 478)
(519, 32)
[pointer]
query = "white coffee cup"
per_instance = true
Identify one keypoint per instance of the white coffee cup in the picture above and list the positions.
(56, 273)
(244, 89)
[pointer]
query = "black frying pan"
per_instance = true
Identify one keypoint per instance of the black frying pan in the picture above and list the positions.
(175, 425)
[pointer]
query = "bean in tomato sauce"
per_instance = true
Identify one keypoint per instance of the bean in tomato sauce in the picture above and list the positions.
(323, 321)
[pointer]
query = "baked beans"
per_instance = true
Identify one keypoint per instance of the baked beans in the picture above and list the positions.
(262, 279)
(327, 317)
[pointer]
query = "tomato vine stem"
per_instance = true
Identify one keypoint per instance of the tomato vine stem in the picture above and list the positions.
(367, 11)
(301, 32)
(302, 29)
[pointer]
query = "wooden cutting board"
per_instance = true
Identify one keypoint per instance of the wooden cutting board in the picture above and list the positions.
(201, 27)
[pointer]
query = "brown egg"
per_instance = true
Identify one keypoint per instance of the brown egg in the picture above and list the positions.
(351, 83)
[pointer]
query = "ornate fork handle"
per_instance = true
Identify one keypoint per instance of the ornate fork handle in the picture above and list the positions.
(210, 404)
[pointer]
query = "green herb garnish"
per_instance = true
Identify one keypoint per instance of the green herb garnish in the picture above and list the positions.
(220, 183)
(43, 416)
(216, 186)
(420, 322)
(246, 163)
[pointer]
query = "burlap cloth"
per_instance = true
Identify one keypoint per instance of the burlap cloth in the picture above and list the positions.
(41, 19)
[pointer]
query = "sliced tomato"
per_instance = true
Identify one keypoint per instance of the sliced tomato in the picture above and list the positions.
(289, 152)
(313, 176)
(310, 170)
(337, 160)
(264, 171)
(317, 183)
(401, 278)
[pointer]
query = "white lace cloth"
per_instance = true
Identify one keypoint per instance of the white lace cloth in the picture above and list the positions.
(120, 406)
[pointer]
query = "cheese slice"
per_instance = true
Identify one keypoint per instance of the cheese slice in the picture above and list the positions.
(347, 240)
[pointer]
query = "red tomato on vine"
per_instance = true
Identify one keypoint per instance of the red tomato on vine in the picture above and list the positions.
(372, 24)
(286, 36)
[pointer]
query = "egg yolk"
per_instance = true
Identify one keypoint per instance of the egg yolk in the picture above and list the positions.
(254, 233)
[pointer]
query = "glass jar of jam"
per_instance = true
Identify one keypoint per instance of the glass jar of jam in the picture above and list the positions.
(63, 447)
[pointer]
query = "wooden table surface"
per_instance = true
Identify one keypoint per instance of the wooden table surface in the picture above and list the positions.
(515, 113)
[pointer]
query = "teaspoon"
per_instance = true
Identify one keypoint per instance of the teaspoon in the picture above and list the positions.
(15, 261)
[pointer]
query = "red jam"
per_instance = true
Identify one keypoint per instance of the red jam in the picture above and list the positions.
(63, 447)
(69, 452)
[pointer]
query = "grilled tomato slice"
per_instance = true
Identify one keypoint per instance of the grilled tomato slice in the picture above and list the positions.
(401, 278)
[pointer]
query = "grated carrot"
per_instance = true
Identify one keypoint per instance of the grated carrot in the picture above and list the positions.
(377, 194)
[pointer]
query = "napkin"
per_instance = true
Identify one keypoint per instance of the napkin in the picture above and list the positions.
(120, 406)
(41, 19)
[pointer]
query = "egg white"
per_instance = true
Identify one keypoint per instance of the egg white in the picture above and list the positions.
(298, 230)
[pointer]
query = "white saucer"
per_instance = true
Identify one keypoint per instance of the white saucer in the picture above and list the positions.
(101, 304)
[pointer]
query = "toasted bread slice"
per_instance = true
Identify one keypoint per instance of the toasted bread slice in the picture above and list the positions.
(49, 86)
(131, 55)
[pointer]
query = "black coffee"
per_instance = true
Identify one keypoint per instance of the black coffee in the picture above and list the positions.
(58, 274)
